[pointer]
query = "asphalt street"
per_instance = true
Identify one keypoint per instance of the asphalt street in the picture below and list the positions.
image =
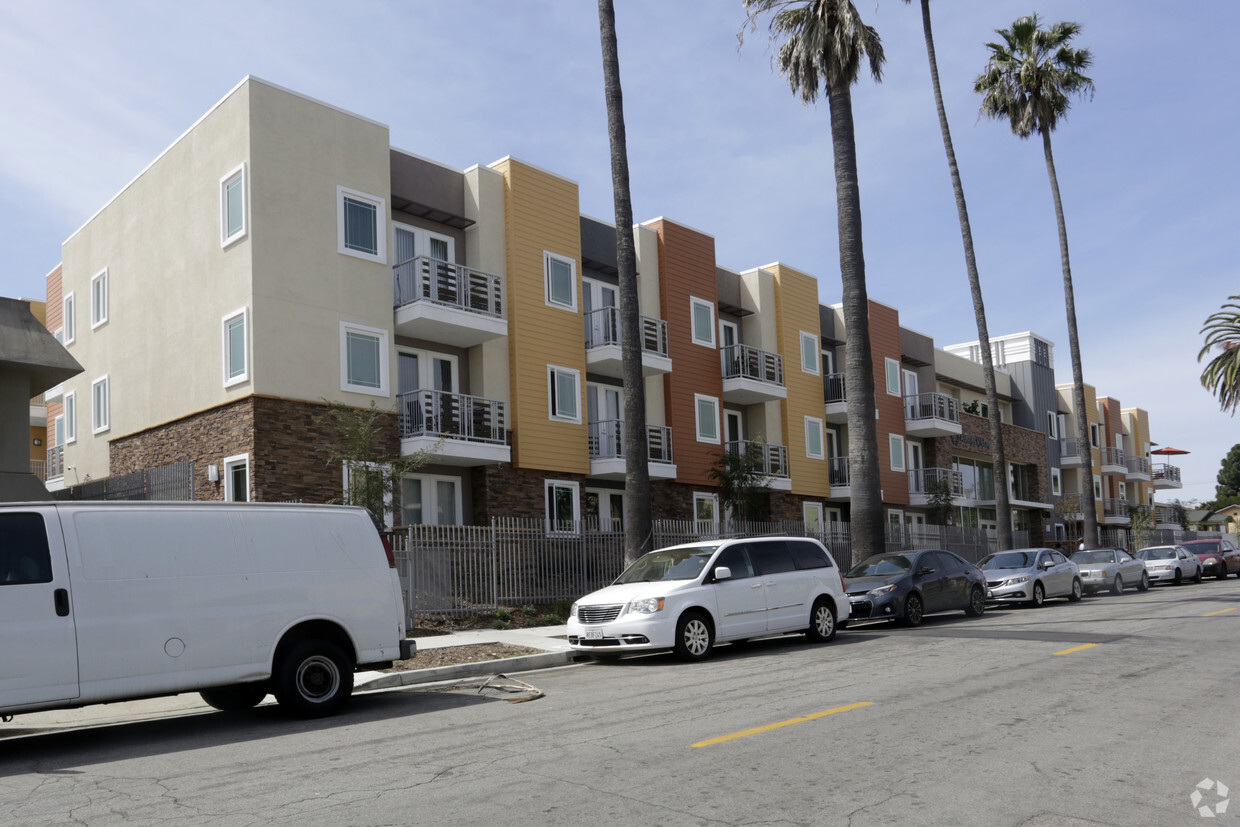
(1110, 711)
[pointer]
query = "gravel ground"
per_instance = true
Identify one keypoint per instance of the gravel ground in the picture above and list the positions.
(453, 655)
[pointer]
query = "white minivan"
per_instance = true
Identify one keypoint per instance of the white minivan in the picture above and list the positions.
(688, 597)
(110, 601)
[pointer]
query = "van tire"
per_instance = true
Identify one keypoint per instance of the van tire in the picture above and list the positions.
(313, 678)
(694, 636)
(822, 623)
(236, 698)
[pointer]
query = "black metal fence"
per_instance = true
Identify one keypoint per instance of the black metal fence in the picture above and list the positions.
(166, 482)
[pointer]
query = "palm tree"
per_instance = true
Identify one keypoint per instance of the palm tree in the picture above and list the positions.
(1003, 510)
(826, 41)
(638, 531)
(1222, 373)
(1030, 79)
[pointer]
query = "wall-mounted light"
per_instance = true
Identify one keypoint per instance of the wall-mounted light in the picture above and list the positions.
(37, 442)
(213, 473)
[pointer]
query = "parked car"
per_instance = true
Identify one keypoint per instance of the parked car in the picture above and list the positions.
(687, 598)
(1030, 575)
(1219, 557)
(1110, 568)
(909, 585)
(1173, 564)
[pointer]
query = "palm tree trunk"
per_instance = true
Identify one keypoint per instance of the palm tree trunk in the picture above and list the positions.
(1088, 504)
(638, 530)
(866, 517)
(1003, 509)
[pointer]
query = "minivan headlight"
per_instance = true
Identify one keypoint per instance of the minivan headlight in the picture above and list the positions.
(647, 605)
(572, 611)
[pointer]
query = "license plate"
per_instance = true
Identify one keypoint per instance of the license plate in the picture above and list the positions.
(989, 593)
(593, 634)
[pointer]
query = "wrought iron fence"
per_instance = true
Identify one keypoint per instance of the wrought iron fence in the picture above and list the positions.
(174, 481)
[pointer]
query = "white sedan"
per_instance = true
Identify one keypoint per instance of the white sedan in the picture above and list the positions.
(1173, 564)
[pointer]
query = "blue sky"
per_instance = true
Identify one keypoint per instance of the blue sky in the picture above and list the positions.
(1148, 168)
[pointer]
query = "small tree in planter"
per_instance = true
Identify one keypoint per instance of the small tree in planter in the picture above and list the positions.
(939, 503)
(742, 480)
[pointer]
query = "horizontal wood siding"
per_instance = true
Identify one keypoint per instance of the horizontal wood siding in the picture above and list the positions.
(885, 344)
(796, 310)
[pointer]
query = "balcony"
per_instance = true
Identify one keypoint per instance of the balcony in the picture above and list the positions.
(772, 462)
(837, 399)
(1166, 518)
(1166, 476)
(449, 303)
(1072, 451)
(607, 450)
(837, 478)
(931, 414)
(1067, 507)
(1138, 468)
(604, 352)
(55, 463)
(751, 375)
(458, 429)
(1114, 511)
(38, 467)
(1113, 461)
(922, 483)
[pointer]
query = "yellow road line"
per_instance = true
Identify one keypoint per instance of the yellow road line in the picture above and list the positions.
(1078, 648)
(769, 727)
(1219, 612)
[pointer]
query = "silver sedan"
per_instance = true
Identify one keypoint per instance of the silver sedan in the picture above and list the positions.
(1173, 564)
(1110, 568)
(1030, 575)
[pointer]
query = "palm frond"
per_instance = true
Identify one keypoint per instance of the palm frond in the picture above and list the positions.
(1221, 375)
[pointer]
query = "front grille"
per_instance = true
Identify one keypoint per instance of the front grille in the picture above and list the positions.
(598, 614)
(994, 583)
(860, 608)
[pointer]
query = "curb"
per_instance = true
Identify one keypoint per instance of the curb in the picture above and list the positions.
(367, 681)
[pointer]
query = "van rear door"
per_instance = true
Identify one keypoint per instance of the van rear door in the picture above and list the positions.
(38, 639)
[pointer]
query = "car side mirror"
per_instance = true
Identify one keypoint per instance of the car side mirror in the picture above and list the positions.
(723, 573)
(1048, 564)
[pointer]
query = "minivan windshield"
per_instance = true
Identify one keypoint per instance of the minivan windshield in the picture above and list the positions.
(668, 564)
(880, 565)
(1009, 560)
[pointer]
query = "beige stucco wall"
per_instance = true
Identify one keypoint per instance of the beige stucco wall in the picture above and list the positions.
(485, 250)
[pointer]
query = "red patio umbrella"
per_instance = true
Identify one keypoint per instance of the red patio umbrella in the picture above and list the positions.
(1169, 451)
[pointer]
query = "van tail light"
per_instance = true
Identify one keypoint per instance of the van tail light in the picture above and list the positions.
(387, 549)
(843, 588)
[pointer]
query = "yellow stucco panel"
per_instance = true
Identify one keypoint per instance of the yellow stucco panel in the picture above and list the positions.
(796, 304)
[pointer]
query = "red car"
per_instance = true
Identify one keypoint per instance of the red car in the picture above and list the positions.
(1218, 557)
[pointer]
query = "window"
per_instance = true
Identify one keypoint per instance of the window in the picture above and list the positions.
(237, 479)
(604, 508)
(828, 362)
(1056, 482)
(430, 500)
(706, 410)
(70, 417)
(25, 556)
(232, 206)
(363, 359)
(813, 438)
(1123, 492)
(563, 506)
(811, 513)
(1093, 434)
(1097, 487)
(564, 393)
(99, 414)
(896, 443)
(236, 352)
(99, 299)
(561, 277)
(70, 323)
(893, 376)
(358, 217)
(1052, 425)
(706, 511)
(809, 353)
(703, 321)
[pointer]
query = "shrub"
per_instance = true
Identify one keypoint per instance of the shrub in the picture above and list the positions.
(552, 620)
(529, 610)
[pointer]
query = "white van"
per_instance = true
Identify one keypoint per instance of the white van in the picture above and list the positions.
(111, 601)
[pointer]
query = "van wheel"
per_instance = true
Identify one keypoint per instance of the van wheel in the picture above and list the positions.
(236, 698)
(313, 678)
(821, 621)
(693, 636)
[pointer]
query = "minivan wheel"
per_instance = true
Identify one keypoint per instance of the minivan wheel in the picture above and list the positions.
(913, 610)
(977, 602)
(313, 678)
(693, 636)
(236, 698)
(821, 621)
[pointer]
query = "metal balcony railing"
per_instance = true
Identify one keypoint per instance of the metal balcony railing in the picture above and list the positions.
(923, 480)
(603, 328)
(1137, 465)
(1113, 456)
(607, 441)
(55, 462)
(931, 406)
(745, 362)
(451, 415)
(772, 459)
(442, 282)
(1163, 471)
(1072, 447)
(1066, 505)
(837, 472)
(1112, 507)
(1164, 515)
(835, 388)
(38, 467)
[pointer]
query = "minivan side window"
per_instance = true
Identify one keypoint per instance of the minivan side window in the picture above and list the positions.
(24, 556)
(807, 555)
(772, 557)
(736, 558)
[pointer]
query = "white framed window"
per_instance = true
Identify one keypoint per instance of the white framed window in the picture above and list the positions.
(236, 347)
(100, 415)
(368, 474)
(1052, 425)
(1097, 487)
(1093, 435)
(237, 478)
(828, 362)
(70, 416)
(893, 376)
(814, 448)
(232, 206)
(560, 275)
(810, 349)
(706, 511)
(811, 513)
(409, 242)
(706, 412)
(361, 225)
(1123, 492)
(69, 325)
(604, 505)
(99, 299)
(895, 518)
(1056, 482)
(58, 430)
(363, 359)
(430, 500)
(733, 426)
(834, 515)
(563, 506)
(702, 321)
(563, 394)
(59, 335)
(896, 443)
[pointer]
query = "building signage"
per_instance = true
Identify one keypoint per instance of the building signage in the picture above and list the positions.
(967, 442)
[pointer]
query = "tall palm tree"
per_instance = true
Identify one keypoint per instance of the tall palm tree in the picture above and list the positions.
(1222, 373)
(825, 41)
(1030, 80)
(1003, 510)
(638, 530)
